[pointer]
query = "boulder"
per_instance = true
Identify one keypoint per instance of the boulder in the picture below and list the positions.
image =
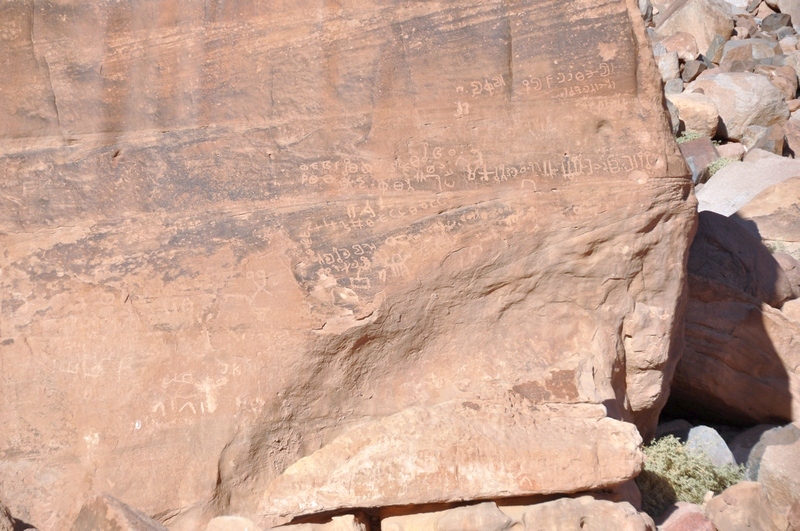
(784, 78)
(673, 86)
(106, 513)
(692, 69)
(791, 8)
(742, 444)
(531, 450)
(748, 49)
(233, 233)
(585, 512)
(769, 139)
(735, 185)
(699, 153)
(683, 44)
(706, 441)
(790, 266)
(742, 507)
(779, 469)
(697, 112)
(480, 517)
(772, 216)
(703, 19)
(731, 151)
(772, 23)
(791, 131)
(684, 516)
(740, 365)
(669, 66)
(743, 99)
(726, 252)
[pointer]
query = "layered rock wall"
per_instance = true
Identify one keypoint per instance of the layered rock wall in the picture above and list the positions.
(233, 232)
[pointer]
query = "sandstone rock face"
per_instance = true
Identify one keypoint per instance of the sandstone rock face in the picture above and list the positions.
(474, 450)
(743, 99)
(740, 364)
(725, 251)
(234, 234)
(106, 513)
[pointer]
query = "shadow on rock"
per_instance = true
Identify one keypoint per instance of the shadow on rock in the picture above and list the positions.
(738, 344)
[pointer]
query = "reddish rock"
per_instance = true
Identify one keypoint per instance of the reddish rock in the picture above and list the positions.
(743, 99)
(587, 513)
(699, 153)
(772, 215)
(727, 252)
(683, 44)
(684, 516)
(479, 517)
(742, 507)
(233, 232)
(740, 362)
(779, 470)
(391, 461)
(703, 19)
(783, 77)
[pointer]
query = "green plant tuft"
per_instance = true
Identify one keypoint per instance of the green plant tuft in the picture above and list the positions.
(717, 165)
(672, 473)
(686, 136)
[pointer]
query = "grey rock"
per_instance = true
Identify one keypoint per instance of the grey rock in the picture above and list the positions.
(706, 441)
(743, 99)
(738, 183)
(775, 21)
(673, 86)
(692, 69)
(714, 51)
(668, 66)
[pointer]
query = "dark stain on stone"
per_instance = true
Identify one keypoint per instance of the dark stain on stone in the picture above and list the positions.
(558, 386)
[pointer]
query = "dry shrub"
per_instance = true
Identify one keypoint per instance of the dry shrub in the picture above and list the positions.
(672, 473)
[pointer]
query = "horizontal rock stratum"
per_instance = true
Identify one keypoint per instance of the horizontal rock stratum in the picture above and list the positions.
(235, 235)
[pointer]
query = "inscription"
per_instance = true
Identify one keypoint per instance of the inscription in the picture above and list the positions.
(487, 87)
(365, 265)
(571, 83)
